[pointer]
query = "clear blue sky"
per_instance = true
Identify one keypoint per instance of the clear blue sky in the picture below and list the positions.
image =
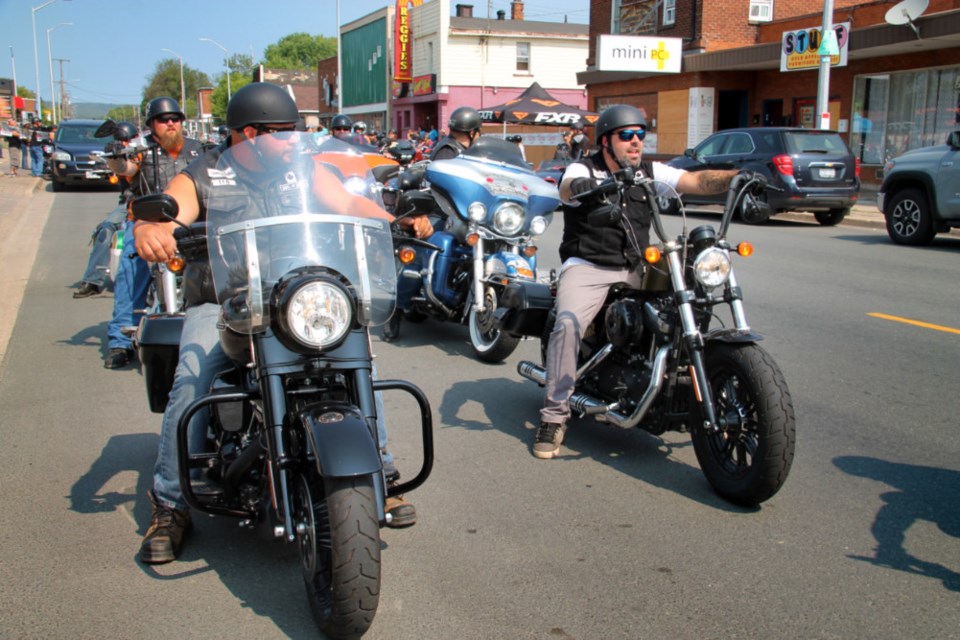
(113, 46)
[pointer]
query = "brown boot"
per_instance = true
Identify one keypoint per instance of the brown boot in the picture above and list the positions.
(400, 513)
(164, 538)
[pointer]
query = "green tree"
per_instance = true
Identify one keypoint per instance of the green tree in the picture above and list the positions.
(165, 81)
(241, 72)
(299, 51)
(128, 112)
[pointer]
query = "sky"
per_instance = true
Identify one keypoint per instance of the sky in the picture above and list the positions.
(113, 46)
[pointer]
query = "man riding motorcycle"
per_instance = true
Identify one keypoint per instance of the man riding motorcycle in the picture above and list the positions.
(464, 129)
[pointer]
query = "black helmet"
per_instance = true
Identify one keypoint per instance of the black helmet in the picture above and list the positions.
(618, 116)
(465, 119)
(223, 131)
(161, 106)
(126, 131)
(341, 121)
(261, 103)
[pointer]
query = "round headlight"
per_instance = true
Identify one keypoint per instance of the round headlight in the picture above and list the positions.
(356, 185)
(712, 267)
(318, 314)
(538, 226)
(61, 156)
(508, 219)
(477, 211)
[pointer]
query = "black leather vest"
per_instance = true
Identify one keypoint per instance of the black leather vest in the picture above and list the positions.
(157, 170)
(608, 246)
(447, 142)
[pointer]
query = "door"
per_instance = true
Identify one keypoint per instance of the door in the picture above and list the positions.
(731, 110)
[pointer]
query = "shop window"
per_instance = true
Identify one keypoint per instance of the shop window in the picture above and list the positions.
(669, 12)
(761, 10)
(523, 56)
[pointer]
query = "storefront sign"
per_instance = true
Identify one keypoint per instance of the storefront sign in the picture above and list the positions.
(803, 48)
(639, 53)
(425, 85)
(402, 42)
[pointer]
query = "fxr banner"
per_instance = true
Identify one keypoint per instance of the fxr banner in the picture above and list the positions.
(402, 53)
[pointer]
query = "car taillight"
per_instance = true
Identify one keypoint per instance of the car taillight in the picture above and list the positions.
(784, 164)
(856, 167)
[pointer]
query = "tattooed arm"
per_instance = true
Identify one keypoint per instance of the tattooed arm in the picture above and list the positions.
(705, 182)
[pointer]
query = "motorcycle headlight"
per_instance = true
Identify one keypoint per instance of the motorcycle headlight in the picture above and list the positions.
(538, 226)
(318, 314)
(356, 185)
(61, 156)
(477, 211)
(508, 219)
(712, 267)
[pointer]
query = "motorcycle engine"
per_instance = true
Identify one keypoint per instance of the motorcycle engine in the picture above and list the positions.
(620, 380)
(624, 323)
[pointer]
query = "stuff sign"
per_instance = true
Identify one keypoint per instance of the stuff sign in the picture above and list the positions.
(803, 48)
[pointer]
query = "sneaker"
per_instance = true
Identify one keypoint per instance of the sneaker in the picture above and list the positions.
(400, 512)
(85, 290)
(549, 436)
(164, 538)
(117, 358)
(391, 330)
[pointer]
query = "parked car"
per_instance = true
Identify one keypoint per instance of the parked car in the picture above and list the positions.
(552, 170)
(813, 169)
(920, 193)
(74, 160)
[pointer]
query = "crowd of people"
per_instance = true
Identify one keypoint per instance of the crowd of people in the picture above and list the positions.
(25, 146)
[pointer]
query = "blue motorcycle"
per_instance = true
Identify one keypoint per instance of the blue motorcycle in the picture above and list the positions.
(489, 208)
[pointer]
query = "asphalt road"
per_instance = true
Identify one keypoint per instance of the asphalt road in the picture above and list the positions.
(620, 537)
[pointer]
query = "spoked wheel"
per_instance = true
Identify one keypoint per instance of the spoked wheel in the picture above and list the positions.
(489, 343)
(339, 543)
(748, 459)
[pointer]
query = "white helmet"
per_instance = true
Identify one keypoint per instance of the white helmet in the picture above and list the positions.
(360, 126)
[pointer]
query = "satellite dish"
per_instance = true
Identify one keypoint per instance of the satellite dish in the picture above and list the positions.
(906, 12)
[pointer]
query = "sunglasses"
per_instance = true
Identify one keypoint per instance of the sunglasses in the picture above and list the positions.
(341, 128)
(168, 119)
(281, 129)
(627, 134)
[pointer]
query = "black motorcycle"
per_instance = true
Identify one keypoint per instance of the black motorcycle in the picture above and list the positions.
(292, 441)
(652, 359)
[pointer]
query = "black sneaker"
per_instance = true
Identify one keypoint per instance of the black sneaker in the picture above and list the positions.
(117, 358)
(549, 436)
(391, 330)
(85, 290)
(164, 538)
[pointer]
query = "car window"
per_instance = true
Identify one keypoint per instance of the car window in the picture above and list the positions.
(74, 135)
(712, 146)
(739, 143)
(814, 142)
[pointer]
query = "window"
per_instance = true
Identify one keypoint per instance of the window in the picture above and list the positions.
(761, 10)
(669, 12)
(523, 56)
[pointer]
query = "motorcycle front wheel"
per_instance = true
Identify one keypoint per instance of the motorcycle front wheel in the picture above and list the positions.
(489, 343)
(748, 459)
(339, 542)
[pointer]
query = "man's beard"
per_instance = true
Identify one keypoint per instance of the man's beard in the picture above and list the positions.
(625, 163)
(170, 139)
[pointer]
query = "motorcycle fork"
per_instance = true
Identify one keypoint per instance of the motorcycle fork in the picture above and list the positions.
(274, 412)
(479, 300)
(692, 338)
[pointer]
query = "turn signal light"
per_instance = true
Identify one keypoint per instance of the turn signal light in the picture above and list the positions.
(175, 264)
(473, 239)
(745, 249)
(113, 179)
(406, 255)
(651, 255)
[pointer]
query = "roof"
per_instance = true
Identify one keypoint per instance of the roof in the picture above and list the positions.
(518, 26)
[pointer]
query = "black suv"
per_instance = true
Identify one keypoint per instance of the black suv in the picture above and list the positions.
(74, 159)
(920, 194)
(814, 169)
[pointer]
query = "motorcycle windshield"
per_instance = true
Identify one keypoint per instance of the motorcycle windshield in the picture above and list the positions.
(282, 205)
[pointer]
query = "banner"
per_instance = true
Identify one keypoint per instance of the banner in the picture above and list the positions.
(402, 44)
(803, 48)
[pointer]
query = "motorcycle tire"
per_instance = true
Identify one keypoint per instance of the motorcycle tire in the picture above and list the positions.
(747, 461)
(489, 343)
(340, 554)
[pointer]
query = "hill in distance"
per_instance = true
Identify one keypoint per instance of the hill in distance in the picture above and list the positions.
(92, 110)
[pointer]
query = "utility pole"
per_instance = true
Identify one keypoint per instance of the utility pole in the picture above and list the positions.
(823, 84)
(61, 61)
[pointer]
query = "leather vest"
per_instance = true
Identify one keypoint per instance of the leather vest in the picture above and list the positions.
(608, 246)
(156, 171)
(447, 143)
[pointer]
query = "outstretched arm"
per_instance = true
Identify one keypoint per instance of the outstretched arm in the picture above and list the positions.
(705, 182)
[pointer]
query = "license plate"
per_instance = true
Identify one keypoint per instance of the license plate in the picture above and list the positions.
(829, 173)
(93, 175)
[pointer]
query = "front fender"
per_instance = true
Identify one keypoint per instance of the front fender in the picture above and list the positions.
(341, 441)
(731, 336)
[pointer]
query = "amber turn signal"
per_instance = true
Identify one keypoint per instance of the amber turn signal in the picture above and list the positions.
(473, 239)
(651, 255)
(745, 249)
(175, 264)
(113, 179)
(406, 255)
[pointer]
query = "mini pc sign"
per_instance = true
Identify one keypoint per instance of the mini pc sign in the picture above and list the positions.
(640, 54)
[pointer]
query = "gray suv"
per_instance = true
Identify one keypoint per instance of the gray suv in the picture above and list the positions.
(920, 194)
(75, 158)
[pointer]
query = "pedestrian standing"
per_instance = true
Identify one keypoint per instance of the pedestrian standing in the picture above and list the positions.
(16, 144)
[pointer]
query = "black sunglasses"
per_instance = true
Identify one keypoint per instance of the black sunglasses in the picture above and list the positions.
(341, 128)
(627, 134)
(281, 129)
(168, 119)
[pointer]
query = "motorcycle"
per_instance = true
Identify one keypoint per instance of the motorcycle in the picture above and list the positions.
(292, 429)
(652, 360)
(492, 208)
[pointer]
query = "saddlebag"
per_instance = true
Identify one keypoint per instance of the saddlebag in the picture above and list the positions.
(158, 340)
(523, 308)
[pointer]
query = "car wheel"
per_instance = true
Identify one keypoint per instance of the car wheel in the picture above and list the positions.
(831, 218)
(668, 206)
(56, 185)
(909, 219)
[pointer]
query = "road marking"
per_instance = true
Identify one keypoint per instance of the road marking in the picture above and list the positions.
(925, 325)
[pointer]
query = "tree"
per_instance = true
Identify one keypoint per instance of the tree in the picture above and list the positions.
(240, 74)
(128, 112)
(165, 81)
(299, 51)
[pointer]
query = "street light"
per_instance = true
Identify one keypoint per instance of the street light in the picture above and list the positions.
(226, 60)
(36, 62)
(53, 93)
(183, 104)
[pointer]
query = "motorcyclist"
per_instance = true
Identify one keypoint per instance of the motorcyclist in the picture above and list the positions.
(596, 258)
(464, 129)
(578, 141)
(256, 109)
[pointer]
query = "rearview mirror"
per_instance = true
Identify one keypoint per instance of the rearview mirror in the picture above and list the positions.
(106, 130)
(155, 207)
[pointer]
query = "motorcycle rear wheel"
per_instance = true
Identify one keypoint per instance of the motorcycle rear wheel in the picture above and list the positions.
(339, 541)
(489, 343)
(748, 459)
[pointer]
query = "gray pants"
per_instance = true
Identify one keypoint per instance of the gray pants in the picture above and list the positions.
(580, 295)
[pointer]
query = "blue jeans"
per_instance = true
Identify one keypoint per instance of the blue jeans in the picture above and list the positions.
(129, 292)
(99, 260)
(25, 157)
(36, 160)
(201, 358)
